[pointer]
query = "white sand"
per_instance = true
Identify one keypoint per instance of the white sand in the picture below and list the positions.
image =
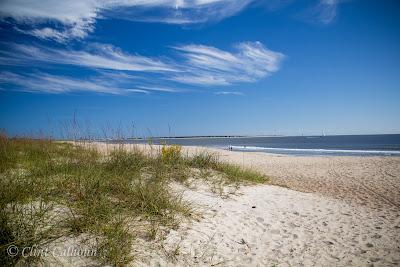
(286, 228)
(349, 217)
(371, 181)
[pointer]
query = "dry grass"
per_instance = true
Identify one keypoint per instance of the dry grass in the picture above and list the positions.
(100, 195)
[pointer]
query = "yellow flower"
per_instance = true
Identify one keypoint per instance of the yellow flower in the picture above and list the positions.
(171, 153)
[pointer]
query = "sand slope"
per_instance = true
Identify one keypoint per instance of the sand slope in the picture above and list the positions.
(346, 215)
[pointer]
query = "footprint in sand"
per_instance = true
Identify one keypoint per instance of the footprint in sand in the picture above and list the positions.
(259, 219)
(275, 232)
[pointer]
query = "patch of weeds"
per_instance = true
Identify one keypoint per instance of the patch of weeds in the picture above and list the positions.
(101, 193)
(233, 173)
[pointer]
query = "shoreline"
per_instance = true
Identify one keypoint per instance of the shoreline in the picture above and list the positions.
(317, 151)
(314, 152)
(253, 136)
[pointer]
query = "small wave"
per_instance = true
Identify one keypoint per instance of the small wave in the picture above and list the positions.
(314, 150)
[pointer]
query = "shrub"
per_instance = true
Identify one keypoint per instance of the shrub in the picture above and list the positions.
(171, 154)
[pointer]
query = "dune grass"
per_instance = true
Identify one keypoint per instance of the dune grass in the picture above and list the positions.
(50, 190)
(233, 173)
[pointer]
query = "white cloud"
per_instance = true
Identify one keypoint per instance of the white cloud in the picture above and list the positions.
(76, 18)
(208, 57)
(100, 57)
(160, 88)
(46, 83)
(80, 30)
(203, 80)
(55, 84)
(324, 11)
(196, 65)
(48, 33)
(210, 66)
(183, 12)
(327, 10)
(228, 93)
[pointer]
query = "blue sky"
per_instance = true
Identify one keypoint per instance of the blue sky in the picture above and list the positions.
(200, 67)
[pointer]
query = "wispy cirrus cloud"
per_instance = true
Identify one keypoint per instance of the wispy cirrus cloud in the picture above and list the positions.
(99, 56)
(192, 65)
(42, 82)
(47, 33)
(58, 84)
(207, 65)
(229, 93)
(62, 21)
(74, 19)
(324, 11)
(162, 88)
(181, 11)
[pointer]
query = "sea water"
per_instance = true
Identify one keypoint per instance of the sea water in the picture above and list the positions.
(360, 145)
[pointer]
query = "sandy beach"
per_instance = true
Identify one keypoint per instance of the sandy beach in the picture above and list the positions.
(191, 133)
(317, 211)
(370, 181)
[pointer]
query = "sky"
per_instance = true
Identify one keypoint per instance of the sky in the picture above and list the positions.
(199, 67)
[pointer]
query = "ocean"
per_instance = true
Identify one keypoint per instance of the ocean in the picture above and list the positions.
(338, 145)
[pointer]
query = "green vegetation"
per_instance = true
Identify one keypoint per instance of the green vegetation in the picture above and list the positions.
(233, 173)
(50, 190)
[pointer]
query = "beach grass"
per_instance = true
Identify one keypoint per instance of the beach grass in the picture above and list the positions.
(50, 190)
(233, 173)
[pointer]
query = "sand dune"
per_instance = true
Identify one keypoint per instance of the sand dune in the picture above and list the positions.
(336, 211)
